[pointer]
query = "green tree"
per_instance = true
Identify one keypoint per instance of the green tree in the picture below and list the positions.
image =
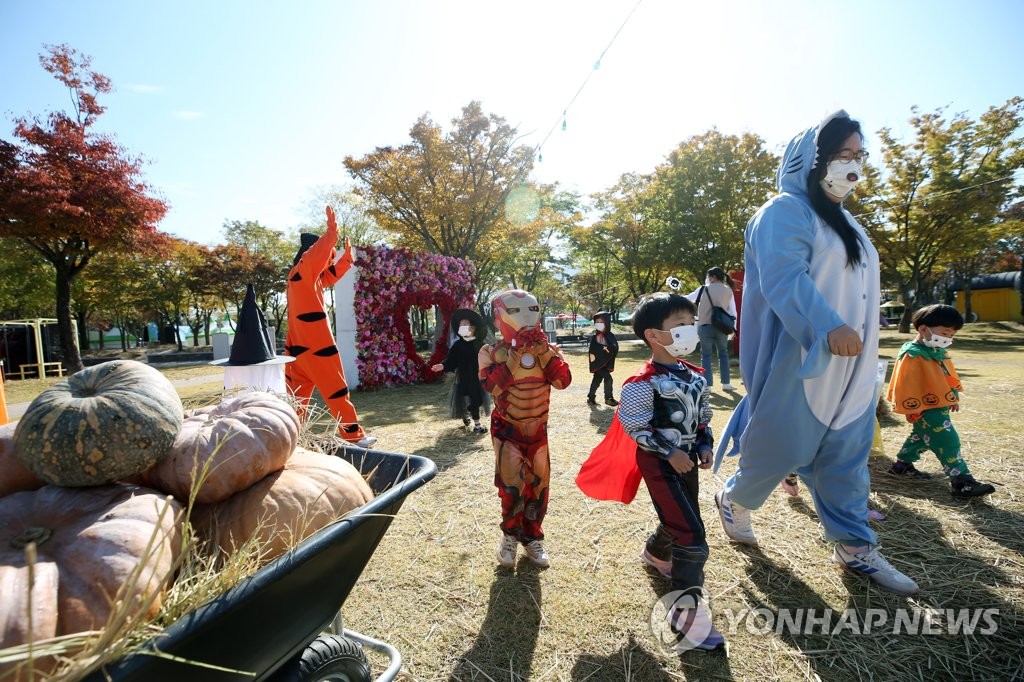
(939, 195)
(630, 234)
(70, 193)
(706, 191)
(444, 193)
(350, 210)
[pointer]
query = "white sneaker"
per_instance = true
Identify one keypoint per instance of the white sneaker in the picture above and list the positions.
(695, 631)
(507, 551)
(660, 565)
(728, 387)
(365, 442)
(536, 553)
(735, 520)
(872, 564)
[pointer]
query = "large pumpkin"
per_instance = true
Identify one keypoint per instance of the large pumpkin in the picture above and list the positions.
(311, 491)
(102, 424)
(13, 474)
(90, 544)
(227, 447)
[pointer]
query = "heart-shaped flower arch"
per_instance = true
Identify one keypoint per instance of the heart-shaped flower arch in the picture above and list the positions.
(390, 283)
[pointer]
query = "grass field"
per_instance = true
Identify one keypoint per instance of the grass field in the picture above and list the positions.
(434, 590)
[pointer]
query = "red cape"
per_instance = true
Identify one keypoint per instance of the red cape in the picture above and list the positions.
(611, 472)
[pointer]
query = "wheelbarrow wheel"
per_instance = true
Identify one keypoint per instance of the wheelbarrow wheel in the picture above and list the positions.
(328, 658)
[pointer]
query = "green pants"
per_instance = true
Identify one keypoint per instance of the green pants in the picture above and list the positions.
(935, 431)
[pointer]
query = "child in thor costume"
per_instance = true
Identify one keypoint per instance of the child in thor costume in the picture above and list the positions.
(519, 372)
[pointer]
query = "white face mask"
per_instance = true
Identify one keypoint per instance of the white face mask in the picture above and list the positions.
(937, 340)
(465, 332)
(684, 340)
(599, 326)
(841, 176)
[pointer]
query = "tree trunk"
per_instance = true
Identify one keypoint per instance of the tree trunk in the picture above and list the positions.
(69, 349)
(83, 330)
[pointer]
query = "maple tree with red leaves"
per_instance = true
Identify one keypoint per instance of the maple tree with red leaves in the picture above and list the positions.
(69, 192)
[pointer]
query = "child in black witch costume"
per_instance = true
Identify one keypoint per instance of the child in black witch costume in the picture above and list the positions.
(603, 349)
(466, 395)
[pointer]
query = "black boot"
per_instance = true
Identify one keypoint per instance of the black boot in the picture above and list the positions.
(965, 486)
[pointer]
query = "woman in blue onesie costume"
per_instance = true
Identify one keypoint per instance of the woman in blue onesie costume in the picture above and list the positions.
(809, 351)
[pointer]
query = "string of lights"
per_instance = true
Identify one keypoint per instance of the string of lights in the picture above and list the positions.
(931, 197)
(563, 119)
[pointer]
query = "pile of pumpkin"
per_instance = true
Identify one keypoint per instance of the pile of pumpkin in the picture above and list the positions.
(103, 470)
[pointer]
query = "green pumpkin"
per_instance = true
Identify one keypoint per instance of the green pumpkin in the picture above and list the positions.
(102, 424)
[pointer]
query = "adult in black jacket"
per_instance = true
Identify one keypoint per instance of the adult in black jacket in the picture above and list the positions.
(603, 349)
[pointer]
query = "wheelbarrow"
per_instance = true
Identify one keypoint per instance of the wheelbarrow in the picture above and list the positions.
(272, 625)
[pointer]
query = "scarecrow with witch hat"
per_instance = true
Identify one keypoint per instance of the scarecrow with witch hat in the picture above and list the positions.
(467, 395)
(310, 341)
(253, 365)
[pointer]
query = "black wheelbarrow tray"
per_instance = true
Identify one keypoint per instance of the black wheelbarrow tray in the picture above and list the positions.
(269, 626)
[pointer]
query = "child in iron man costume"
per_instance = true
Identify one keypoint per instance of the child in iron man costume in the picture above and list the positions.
(519, 372)
(309, 340)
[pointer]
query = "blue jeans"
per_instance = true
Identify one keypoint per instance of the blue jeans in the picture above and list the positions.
(712, 338)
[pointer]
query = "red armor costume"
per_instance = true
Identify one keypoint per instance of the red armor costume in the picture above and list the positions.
(309, 340)
(519, 372)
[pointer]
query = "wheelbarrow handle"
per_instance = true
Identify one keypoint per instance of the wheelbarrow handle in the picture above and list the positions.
(394, 657)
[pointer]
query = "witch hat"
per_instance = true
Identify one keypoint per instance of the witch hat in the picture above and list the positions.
(306, 240)
(474, 319)
(252, 342)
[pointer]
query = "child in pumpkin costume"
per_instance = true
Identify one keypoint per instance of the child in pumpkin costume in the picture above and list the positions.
(309, 340)
(466, 395)
(925, 387)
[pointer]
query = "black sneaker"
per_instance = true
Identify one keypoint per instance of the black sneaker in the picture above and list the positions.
(966, 486)
(591, 400)
(611, 401)
(907, 470)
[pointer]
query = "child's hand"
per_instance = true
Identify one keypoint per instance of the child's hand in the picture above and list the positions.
(680, 461)
(955, 407)
(706, 457)
(437, 368)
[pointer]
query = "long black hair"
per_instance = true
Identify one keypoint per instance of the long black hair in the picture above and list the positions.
(722, 276)
(830, 141)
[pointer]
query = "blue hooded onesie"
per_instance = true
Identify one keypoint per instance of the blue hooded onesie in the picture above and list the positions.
(806, 410)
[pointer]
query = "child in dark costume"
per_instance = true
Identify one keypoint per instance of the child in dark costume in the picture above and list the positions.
(603, 349)
(466, 395)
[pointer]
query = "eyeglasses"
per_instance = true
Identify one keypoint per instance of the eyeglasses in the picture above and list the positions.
(847, 155)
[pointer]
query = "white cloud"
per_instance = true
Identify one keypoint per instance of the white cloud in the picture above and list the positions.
(186, 115)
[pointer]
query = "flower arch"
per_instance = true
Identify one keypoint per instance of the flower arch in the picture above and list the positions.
(390, 283)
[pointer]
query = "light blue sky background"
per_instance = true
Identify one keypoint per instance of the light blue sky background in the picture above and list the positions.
(242, 107)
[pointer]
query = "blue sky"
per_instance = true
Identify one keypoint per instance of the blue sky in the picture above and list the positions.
(242, 108)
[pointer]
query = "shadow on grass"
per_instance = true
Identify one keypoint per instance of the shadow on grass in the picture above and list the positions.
(631, 662)
(504, 646)
(950, 577)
